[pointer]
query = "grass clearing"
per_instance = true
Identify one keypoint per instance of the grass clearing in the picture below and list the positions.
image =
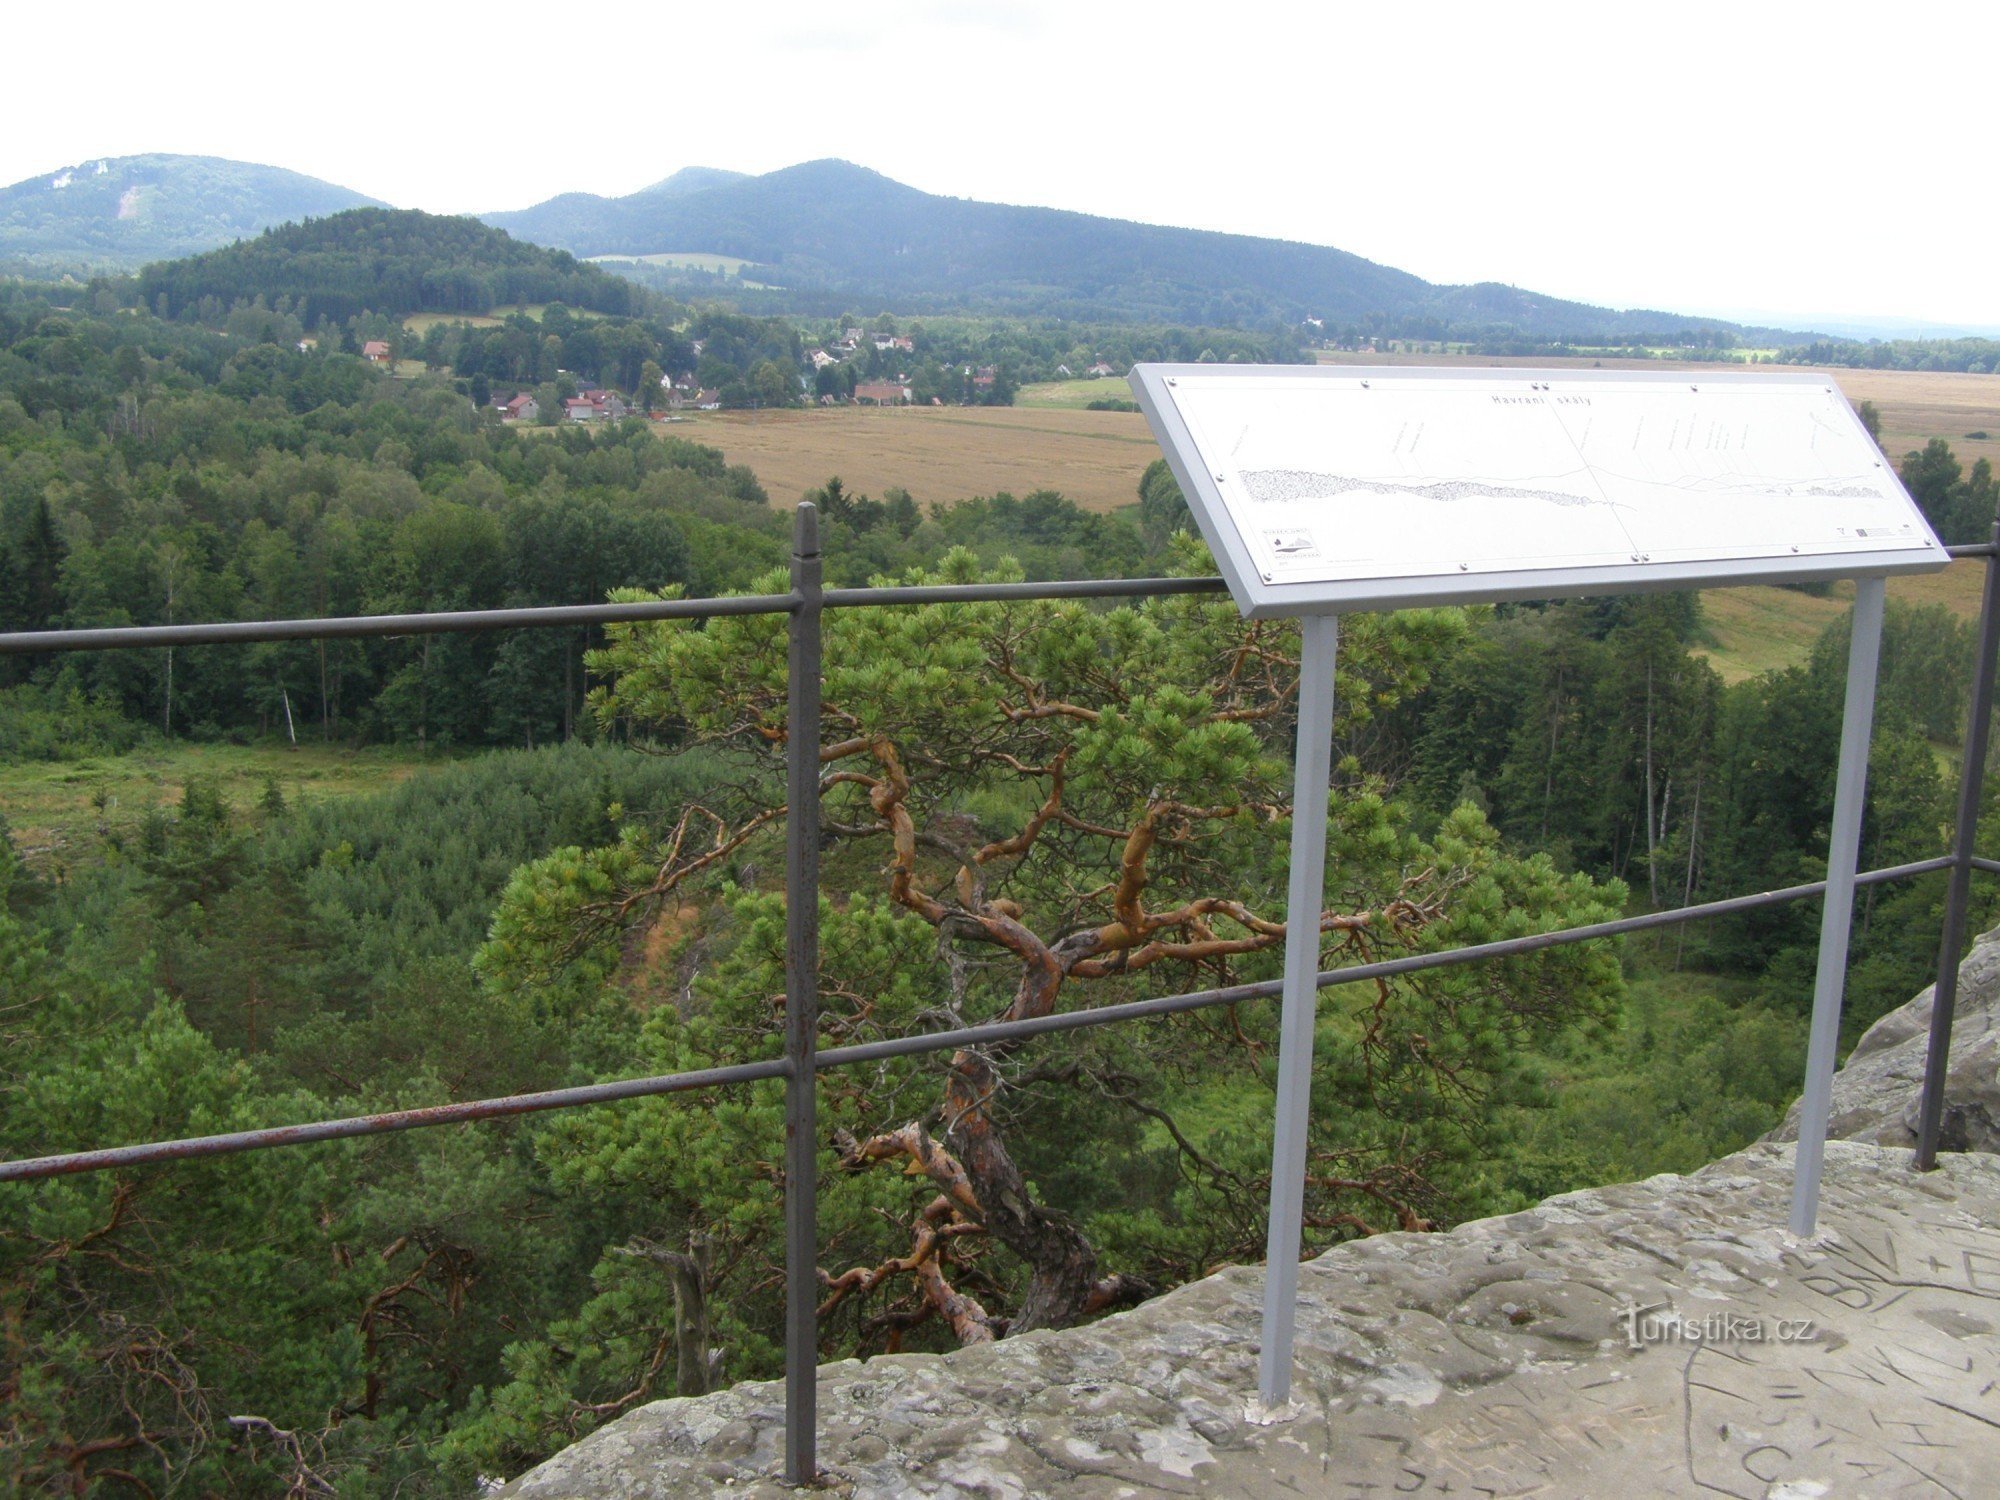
(60, 811)
(1762, 628)
(730, 266)
(422, 322)
(1073, 395)
(680, 260)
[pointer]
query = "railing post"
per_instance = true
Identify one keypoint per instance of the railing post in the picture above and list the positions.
(1843, 848)
(1971, 777)
(1311, 763)
(802, 687)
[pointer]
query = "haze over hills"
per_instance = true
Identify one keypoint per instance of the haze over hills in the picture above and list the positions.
(117, 213)
(690, 180)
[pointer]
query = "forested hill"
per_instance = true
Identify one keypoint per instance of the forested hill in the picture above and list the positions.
(840, 229)
(390, 261)
(119, 212)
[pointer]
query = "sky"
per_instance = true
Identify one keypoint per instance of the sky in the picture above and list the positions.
(1763, 160)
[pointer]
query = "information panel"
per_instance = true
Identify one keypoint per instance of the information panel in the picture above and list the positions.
(1334, 487)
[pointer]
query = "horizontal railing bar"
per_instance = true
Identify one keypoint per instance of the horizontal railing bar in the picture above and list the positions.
(934, 1041)
(977, 593)
(453, 622)
(1990, 866)
(441, 622)
(401, 1119)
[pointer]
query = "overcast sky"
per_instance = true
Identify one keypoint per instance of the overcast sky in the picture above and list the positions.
(1786, 160)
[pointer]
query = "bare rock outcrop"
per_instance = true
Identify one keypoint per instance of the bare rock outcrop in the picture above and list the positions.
(1660, 1338)
(1876, 1092)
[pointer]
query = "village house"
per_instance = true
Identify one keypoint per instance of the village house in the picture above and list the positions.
(596, 406)
(521, 408)
(881, 393)
(821, 359)
(376, 352)
(1099, 369)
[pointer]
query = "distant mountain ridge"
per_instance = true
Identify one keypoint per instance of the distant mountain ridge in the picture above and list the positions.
(829, 236)
(833, 227)
(119, 212)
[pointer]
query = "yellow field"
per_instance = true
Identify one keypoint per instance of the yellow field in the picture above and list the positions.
(1096, 458)
(937, 453)
(1917, 406)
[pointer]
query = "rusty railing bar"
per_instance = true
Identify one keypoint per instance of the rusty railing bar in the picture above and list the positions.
(931, 1041)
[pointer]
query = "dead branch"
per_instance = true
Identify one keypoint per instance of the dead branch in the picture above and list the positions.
(304, 1480)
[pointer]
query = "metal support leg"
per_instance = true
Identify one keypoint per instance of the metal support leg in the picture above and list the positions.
(1842, 849)
(1971, 776)
(802, 1003)
(1301, 1004)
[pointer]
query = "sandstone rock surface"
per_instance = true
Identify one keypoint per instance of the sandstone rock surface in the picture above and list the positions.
(1660, 1338)
(1493, 1360)
(1876, 1092)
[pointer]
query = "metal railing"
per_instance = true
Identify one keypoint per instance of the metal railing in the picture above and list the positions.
(802, 1059)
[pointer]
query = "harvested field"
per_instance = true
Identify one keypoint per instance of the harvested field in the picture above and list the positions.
(1096, 459)
(937, 453)
(1918, 405)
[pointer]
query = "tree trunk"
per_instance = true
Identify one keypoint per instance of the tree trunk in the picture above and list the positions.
(569, 694)
(1062, 1263)
(695, 1364)
(697, 1367)
(1652, 845)
(1687, 889)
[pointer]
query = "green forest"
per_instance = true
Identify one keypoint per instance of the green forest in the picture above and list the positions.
(1030, 807)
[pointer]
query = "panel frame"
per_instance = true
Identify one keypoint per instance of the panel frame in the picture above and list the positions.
(1258, 598)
